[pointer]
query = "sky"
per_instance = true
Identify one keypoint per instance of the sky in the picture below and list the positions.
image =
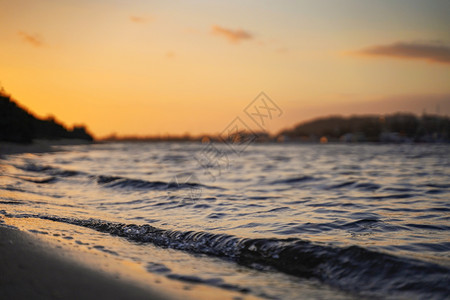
(174, 67)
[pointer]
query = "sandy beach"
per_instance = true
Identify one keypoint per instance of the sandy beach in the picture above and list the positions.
(30, 270)
(40, 265)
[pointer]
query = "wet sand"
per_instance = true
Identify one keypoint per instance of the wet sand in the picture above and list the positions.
(30, 270)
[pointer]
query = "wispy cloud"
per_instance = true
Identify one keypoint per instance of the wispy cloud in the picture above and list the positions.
(32, 39)
(432, 52)
(140, 19)
(233, 36)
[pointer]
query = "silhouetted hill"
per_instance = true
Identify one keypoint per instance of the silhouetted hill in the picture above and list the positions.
(400, 127)
(19, 126)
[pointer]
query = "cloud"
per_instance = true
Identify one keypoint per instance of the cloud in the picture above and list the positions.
(432, 52)
(233, 36)
(32, 39)
(140, 20)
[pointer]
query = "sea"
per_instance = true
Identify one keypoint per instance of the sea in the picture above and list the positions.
(267, 221)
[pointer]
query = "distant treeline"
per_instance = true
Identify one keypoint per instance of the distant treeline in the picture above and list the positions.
(396, 128)
(19, 126)
(400, 127)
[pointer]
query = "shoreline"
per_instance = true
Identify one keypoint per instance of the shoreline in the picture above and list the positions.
(37, 146)
(35, 265)
(7, 148)
(31, 270)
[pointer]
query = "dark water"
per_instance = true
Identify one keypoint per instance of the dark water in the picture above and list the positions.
(274, 221)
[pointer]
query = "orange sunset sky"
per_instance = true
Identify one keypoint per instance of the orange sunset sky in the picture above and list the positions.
(171, 67)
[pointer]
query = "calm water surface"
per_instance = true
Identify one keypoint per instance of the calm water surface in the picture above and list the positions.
(273, 221)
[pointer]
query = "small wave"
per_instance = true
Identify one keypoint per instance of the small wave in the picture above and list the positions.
(392, 196)
(65, 173)
(429, 227)
(351, 268)
(294, 180)
(12, 202)
(436, 185)
(368, 186)
(123, 182)
(106, 180)
(47, 179)
(31, 167)
(362, 222)
(340, 185)
(54, 171)
(39, 193)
